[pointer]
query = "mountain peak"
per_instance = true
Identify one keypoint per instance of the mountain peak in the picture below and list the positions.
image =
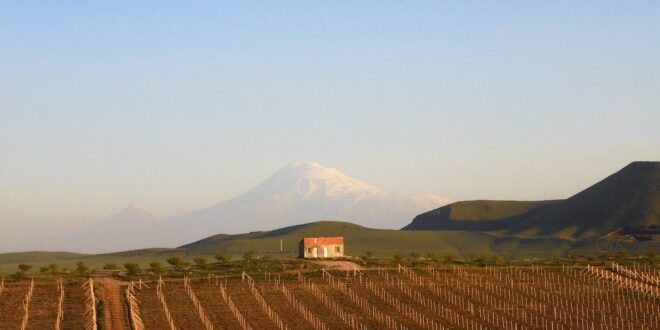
(307, 178)
(135, 209)
(305, 164)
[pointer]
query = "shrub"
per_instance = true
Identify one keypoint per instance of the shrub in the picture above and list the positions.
(132, 269)
(201, 263)
(19, 275)
(248, 256)
(223, 258)
(24, 267)
(414, 256)
(54, 268)
(367, 256)
(81, 268)
(110, 266)
(157, 268)
(175, 262)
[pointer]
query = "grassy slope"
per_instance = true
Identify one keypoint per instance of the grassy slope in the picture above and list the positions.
(629, 197)
(383, 243)
(476, 215)
(31, 257)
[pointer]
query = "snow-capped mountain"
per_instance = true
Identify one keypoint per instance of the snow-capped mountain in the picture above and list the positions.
(300, 192)
(116, 233)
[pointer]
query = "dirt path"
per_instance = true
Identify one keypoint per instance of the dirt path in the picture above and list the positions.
(338, 264)
(116, 317)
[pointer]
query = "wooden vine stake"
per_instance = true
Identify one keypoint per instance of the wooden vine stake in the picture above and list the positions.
(90, 305)
(191, 294)
(262, 302)
(134, 308)
(234, 310)
(26, 305)
(60, 305)
(314, 320)
(161, 297)
(348, 318)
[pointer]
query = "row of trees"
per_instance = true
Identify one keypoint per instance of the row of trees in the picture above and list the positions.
(132, 269)
(415, 257)
(52, 269)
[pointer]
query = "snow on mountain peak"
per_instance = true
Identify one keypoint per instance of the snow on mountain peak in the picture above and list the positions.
(303, 179)
(137, 210)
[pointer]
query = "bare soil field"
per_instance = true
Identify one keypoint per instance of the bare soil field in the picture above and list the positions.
(457, 297)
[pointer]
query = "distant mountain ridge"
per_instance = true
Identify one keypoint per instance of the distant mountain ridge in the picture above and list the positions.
(298, 193)
(115, 233)
(629, 198)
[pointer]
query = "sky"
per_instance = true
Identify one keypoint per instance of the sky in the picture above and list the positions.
(182, 104)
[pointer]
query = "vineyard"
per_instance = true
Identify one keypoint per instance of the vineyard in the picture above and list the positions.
(457, 297)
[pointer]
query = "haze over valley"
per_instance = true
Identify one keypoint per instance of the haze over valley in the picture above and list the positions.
(298, 193)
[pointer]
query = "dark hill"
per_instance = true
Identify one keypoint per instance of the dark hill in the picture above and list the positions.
(476, 215)
(629, 198)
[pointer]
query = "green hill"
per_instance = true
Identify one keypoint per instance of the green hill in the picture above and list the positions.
(37, 256)
(476, 215)
(384, 243)
(628, 199)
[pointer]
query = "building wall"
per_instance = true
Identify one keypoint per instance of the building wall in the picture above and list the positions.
(319, 248)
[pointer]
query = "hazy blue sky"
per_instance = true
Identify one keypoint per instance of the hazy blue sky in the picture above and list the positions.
(183, 104)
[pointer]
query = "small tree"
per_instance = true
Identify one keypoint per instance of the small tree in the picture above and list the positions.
(54, 268)
(110, 266)
(449, 258)
(399, 258)
(431, 256)
(481, 261)
(414, 256)
(223, 258)
(43, 270)
(24, 267)
(157, 268)
(185, 266)
(621, 255)
(496, 260)
(651, 256)
(81, 268)
(19, 275)
(201, 263)
(367, 256)
(132, 269)
(248, 256)
(175, 262)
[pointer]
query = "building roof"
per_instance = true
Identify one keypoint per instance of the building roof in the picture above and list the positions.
(307, 241)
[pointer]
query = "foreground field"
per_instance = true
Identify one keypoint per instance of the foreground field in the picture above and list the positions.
(400, 298)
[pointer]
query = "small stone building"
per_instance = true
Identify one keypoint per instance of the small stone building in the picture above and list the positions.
(321, 247)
